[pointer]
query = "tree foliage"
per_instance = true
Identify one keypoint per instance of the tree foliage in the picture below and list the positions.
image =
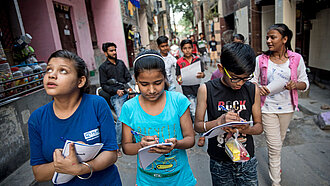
(186, 7)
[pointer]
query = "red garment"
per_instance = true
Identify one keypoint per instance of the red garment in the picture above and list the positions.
(195, 49)
(182, 62)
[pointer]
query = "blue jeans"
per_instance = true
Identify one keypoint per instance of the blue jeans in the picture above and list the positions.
(171, 87)
(192, 107)
(117, 102)
(230, 173)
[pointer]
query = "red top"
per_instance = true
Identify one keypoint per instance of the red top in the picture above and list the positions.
(183, 62)
(194, 50)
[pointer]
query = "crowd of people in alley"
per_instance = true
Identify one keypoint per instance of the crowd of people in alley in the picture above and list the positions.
(249, 94)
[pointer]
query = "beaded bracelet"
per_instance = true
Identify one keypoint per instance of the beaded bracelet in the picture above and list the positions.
(90, 175)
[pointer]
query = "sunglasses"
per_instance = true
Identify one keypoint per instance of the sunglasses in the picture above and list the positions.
(236, 80)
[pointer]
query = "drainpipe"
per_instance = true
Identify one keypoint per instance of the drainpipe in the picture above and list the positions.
(19, 17)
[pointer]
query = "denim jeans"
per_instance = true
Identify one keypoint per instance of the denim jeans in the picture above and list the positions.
(230, 173)
(117, 102)
(171, 87)
(192, 107)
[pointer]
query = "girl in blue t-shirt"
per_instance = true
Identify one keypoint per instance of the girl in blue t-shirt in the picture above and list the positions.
(75, 116)
(156, 116)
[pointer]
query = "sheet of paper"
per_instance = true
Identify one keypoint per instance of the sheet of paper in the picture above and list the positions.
(276, 86)
(146, 158)
(188, 74)
(215, 131)
(85, 152)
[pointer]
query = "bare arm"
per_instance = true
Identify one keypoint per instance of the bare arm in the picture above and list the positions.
(188, 140)
(201, 110)
(131, 148)
(43, 172)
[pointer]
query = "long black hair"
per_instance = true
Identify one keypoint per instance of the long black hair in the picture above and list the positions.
(284, 31)
(79, 65)
(148, 60)
(238, 58)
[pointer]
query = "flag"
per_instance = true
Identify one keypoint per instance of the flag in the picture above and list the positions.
(136, 3)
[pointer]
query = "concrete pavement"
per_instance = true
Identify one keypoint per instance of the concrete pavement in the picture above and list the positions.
(305, 154)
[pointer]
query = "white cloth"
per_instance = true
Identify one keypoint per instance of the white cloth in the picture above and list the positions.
(280, 102)
(170, 63)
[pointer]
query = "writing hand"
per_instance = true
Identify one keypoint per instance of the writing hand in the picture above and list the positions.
(149, 140)
(164, 149)
(69, 164)
(264, 91)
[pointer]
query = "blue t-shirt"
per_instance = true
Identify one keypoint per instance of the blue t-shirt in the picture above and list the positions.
(172, 168)
(91, 123)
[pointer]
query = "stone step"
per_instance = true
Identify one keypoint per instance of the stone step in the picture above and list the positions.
(22, 176)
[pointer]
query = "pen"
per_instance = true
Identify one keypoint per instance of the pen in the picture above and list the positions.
(226, 110)
(223, 108)
(137, 133)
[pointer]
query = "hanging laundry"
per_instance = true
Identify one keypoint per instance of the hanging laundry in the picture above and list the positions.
(136, 3)
(131, 8)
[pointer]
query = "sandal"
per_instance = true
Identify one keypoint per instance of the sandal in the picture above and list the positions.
(201, 141)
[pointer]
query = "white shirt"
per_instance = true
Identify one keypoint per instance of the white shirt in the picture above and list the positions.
(170, 62)
(280, 102)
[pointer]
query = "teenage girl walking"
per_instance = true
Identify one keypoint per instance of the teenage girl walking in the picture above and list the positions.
(279, 64)
(160, 116)
(76, 116)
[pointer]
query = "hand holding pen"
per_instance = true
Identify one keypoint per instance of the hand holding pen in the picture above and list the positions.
(232, 116)
(146, 140)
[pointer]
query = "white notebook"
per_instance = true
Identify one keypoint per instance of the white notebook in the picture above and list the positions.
(146, 158)
(217, 130)
(85, 152)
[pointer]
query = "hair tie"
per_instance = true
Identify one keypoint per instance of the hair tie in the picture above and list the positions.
(144, 55)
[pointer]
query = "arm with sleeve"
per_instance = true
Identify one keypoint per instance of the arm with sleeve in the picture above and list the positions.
(256, 73)
(112, 90)
(301, 73)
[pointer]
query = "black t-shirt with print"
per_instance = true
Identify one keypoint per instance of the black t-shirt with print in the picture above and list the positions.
(213, 45)
(220, 94)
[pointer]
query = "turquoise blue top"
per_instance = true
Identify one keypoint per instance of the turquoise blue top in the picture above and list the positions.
(169, 169)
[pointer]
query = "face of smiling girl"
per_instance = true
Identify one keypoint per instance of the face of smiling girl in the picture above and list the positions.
(61, 77)
(151, 84)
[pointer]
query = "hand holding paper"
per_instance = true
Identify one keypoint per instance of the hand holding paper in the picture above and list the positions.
(146, 157)
(83, 152)
(66, 164)
(149, 140)
(215, 131)
(164, 149)
(189, 74)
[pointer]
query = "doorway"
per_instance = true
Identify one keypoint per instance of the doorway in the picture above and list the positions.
(65, 27)
(129, 45)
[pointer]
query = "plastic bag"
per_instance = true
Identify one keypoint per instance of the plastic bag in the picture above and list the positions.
(235, 150)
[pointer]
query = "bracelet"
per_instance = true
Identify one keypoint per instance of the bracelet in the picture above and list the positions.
(205, 126)
(90, 175)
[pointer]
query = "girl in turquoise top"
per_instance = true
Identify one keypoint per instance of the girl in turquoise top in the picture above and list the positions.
(159, 116)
